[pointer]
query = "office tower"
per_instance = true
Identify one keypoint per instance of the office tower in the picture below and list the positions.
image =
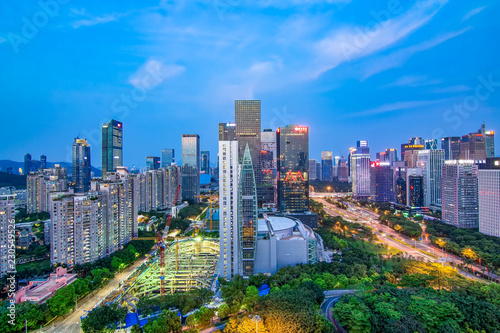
(489, 140)
(229, 240)
(268, 166)
(477, 146)
(380, 156)
(227, 131)
(409, 151)
(431, 162)
(382, 182)
(451, 147)
(414, 187)
(247, 214)
(460, 194)
(400, 189)
(431, 144)
(43, 162)
(327, 165)
(248, 130)
(205, 162)
(319, 171)
(391, 154)
(81, 166)
(343, 172)
(190, 166)
(336, 164)
(167, 157)
(7, 215)
(41, 185)
(27, 164)
(313, 175)
(489, 201)
(360, 170)
(152, 162)
(112, 146)
(293, 168)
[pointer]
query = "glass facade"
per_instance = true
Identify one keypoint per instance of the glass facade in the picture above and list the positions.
(81, 166)
(248, 130)
(247, 213)
(112, 146)
(451, 147)
(152, 163)
(293, 168)
(190, 166)
(205, 162)
(167, 157)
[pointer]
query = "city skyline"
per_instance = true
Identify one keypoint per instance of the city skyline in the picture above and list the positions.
(425, 86)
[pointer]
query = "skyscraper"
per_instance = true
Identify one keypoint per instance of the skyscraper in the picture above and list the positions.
(27, 164)
(167, 157)
(382, 182)
(81, 166)
(473, 145)
(205, 161)
(391, 154)
(152, 162)
(360, 170)
(313, 175)
(248, 130)
(293, 168)
(460, 204)
(327, 165)
(227, 131)
(489, 202)
(414, 187)
(229, 239)
(343, 172)
(247, 214)
(43, 162)
(431, 144)
(7, 214)
(409, 151)
(489, 140)
(431, 162)
(190, 166)
(400, 189)
(112, 146)
(451, 147)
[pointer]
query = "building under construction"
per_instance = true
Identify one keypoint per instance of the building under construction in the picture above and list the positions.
(184, 265)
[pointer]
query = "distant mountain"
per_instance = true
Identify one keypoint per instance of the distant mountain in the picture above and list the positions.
(18, 181)
(4, 164)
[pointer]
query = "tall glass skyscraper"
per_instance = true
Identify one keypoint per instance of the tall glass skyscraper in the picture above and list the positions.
(247, 214)
(248, 130)
(205, 161)
(81, 166)
(112, 146)
(327, 165)
(360, 170)
(27, 164)
(190, 166)
(167, 157)
(431, 162)
(451, 147)
(293, 168)
(43, 162)
(152, 162)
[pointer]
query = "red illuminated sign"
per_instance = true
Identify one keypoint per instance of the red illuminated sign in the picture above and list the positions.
(294, 176)
(300, 129)
(375, 164)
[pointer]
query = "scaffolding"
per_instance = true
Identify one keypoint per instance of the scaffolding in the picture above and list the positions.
(188, 264)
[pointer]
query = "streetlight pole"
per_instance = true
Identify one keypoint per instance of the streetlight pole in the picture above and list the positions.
(256, 319)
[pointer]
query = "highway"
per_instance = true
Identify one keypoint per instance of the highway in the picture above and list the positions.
(332, 297)
(72, 323)
(392, 238)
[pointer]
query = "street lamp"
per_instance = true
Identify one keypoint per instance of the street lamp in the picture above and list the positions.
(256, 319)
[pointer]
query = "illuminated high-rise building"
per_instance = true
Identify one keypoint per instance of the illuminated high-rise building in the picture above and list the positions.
(391, 155)
(360, 170)
(313, 175)
(382, 182)
(431, 162)
(43, 162)
(247, 214)
(229, 240)
(227, 131)
(451, 147)
(409, 151)
(190, 166)
(293, 168)
(327, 165)
(489, 201)
(414, 187)
(248, 130)
(112, 146)
(81, 166)
(7, 214)
(460, 206)
(205, 162)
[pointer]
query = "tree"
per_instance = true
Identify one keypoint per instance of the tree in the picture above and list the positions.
(354, 316)
(251, 297)
(167, 322)
(136, 329)
(103, 319)
(223, 311)
(116, 263)
(62, 301)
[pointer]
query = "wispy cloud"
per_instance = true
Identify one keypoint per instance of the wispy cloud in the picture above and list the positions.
(96, 20)
(398, 58)
(398, 106)
(360, 41)
(413, 81)
(291, 3)
(451, 89)
(154, 72)
(473, 12)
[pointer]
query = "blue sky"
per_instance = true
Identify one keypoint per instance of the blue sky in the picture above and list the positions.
(349, 69)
